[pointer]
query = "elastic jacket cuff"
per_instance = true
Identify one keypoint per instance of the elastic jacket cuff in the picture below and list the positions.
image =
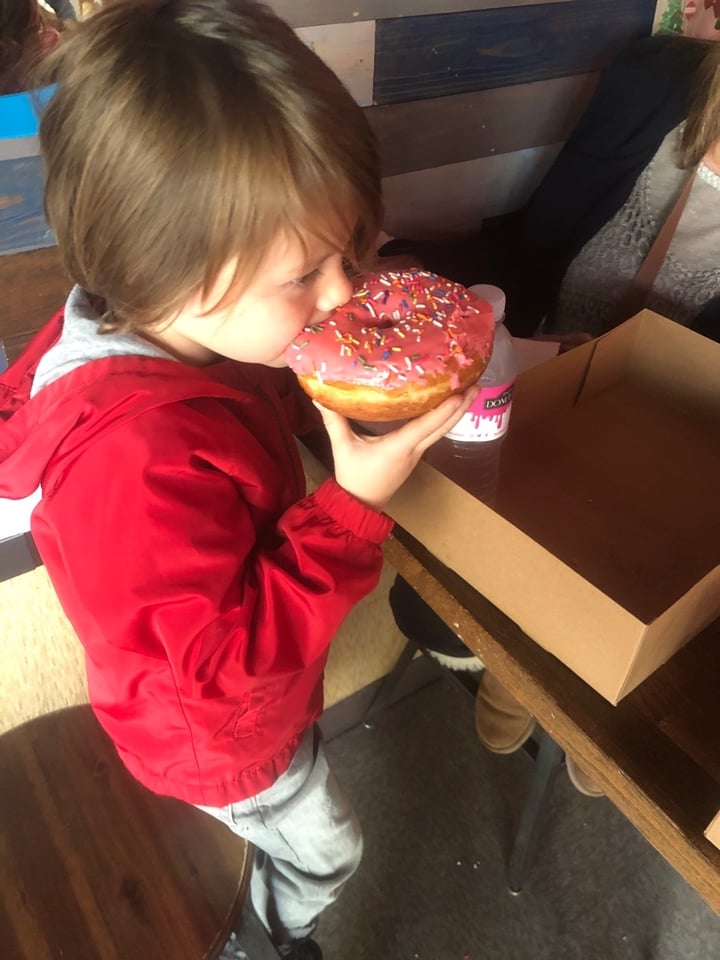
(347, 510)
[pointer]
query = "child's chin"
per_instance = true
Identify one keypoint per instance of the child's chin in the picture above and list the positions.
(277, 362)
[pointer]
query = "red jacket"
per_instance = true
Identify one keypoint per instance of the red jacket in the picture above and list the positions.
(203, 583)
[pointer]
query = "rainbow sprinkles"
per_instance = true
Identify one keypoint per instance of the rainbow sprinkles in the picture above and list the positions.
(398, 327)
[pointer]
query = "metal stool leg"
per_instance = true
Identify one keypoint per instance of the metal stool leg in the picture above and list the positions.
(548, 760)
(387, 686)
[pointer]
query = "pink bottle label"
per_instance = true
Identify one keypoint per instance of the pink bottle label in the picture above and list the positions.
(489, 416)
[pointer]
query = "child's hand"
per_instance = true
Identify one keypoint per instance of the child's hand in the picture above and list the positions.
(373, 468)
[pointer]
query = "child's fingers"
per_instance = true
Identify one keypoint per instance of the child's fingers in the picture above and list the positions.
(427, 429)
(338, 428)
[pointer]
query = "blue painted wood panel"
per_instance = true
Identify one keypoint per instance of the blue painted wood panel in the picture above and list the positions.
(432, 56)
(19, 112)
(22, 221)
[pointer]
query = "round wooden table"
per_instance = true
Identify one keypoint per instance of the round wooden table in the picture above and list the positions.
(95, 867)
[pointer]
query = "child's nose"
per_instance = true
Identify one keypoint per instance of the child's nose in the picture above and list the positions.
(336, 289)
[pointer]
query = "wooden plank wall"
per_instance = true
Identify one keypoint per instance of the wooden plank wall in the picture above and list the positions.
(470, 99)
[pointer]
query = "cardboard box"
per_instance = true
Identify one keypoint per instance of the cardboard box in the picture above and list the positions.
(604, 545)
(712, 833)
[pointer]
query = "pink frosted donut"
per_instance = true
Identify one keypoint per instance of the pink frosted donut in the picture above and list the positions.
(404, 342)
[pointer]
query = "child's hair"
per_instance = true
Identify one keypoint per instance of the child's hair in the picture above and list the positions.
(188, 133)
(21, 26)
(702, 127)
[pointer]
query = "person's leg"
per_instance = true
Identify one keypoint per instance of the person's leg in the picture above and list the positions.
(502, 724)
(308, 843)
(419, 623)
(581, 780)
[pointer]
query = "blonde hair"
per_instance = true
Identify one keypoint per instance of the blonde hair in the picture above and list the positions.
(702, 127)
(190, 133)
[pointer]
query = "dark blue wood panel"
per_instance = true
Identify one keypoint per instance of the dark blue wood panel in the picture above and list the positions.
(432, 56)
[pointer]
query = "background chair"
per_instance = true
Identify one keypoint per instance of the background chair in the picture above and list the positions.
(93, 865)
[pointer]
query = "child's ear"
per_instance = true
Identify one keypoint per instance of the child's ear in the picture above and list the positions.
(206, 301)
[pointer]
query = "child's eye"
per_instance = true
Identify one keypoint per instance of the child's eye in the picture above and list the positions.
(308, 278)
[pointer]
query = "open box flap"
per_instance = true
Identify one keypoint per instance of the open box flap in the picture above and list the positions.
(614, 359)
(661, 356)
(549, 386)
(679, 365)
(617, 481)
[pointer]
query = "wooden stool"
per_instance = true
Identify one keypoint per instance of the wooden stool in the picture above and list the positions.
(95, 867)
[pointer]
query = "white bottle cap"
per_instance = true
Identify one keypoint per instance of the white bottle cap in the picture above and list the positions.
(492, 295)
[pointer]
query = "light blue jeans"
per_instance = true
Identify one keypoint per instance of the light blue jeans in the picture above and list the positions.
(307, 838)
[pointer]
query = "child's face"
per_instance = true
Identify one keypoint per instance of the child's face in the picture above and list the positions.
(292, 289)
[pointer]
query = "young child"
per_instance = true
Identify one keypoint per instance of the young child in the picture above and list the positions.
(207, 177)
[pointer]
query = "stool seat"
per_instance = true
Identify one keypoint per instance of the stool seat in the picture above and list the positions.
(95, 867)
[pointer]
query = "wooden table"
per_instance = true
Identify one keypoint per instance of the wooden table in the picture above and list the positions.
(656, 754)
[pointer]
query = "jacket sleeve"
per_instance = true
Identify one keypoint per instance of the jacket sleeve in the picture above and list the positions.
(170, 547)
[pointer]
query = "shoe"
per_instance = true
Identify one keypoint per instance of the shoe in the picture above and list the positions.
(581, 780)
(232, 950)
(419, 622)
(502, 724)
(305, 949)
(454, 656)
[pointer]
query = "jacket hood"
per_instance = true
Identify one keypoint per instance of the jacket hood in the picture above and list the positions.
(63, 418)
